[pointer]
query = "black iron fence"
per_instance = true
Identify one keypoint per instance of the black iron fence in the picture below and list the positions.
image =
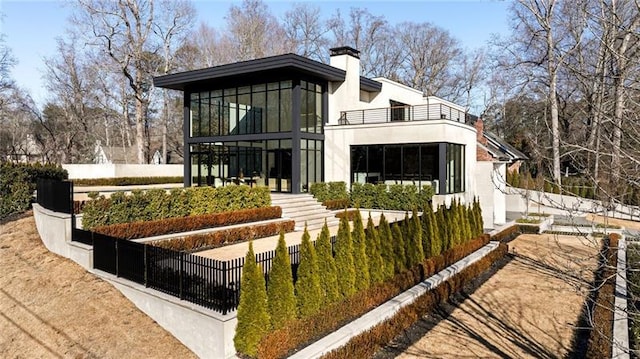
(211, 283)
(55, 195)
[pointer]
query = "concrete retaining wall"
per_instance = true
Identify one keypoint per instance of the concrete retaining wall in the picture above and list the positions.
(207, 333)
(122, 170)
(55, 231)
(621, 349)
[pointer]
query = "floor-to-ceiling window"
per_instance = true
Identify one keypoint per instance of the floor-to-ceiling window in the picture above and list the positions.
(417, 164)
(245, 134)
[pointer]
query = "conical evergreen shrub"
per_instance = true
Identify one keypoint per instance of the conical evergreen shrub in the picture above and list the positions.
(417, 237)
(280, 294)
(327, 267)
(466, 215)
(478, 213)
(253, 315)
(426, 230)
(405, 229)
(308, 290)
(376, 264)
(472, 221)
(443, 228)
(386, 247)
(360, 260)
(344, 260)
(436, 240)
(398, 248)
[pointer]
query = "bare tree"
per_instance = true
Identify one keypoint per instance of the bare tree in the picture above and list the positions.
(122, 30)
(254, 31)
(306, 32)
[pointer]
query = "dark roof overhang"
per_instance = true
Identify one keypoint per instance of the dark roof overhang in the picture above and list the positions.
(369, 85)
(273, 64)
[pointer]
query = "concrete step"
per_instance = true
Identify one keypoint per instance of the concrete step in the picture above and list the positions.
(304, 208)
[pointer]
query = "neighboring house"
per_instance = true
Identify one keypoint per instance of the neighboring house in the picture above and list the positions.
(26, 151)
(287, 121)
(494, 158)
(114, 154)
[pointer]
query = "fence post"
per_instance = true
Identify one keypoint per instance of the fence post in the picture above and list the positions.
(180, 275)
(225, 299)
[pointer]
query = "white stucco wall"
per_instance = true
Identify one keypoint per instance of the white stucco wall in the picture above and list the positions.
(485, 191)
(338, 140)
(77, 171)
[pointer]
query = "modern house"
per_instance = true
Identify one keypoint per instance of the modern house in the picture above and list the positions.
(287, 121)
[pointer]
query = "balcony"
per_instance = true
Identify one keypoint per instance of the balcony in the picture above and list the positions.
(425, 112)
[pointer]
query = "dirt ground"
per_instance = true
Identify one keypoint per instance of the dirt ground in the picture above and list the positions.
(52, 308)
(528, 308)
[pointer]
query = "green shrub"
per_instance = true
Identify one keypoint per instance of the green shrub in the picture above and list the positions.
(327, 267)
(307, 288)
(344, 260)
(253, 316)
(18, 182)
(386, 247)
(392, 197)
(148, 205)
(126, 181)
(331, 191)
(333, 204)
(280, 294)
(398, 248)
(360, 260)
(376, 264)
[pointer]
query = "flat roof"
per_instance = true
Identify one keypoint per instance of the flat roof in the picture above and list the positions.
(273, 64)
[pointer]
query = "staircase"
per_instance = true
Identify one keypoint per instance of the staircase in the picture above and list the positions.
(303, 208)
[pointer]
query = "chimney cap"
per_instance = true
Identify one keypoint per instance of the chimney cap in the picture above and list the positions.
(344, 50)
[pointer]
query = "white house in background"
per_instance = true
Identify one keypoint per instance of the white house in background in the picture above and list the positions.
(287, 121)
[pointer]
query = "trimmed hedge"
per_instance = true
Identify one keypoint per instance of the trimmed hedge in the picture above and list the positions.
(126, 181)
(18, 182)
(279, 343)
(393, 197)
(157, 204)
(334, 195)
(366, 344)
(600, 339)
(160, 227)
(225, 236)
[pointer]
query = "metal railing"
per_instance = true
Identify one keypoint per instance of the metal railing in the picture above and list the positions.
(425, 112)
(55, 195)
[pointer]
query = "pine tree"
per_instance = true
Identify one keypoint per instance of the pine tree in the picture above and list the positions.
(360, 260)
(376, 264)
(417, 237)
(478, 213)
(426, 230)
(327, 267)
(386, 247)
(442, 227)
(472, 221)
(307, 288)
(398, 248)
(344, 260)
(280, 294)
(253, 315)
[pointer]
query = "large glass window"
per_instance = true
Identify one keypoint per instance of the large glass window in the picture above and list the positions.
(310, 107)
(243, 110)
(310, 163)
(416, 164)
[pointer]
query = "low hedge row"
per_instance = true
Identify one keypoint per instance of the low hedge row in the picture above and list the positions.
(507, 234)
(336, 204)
(600, 339)
(157, 204)
(350, 214)
(225, 236)
(366, 344)
(126, 181)
(394, 197)
(160, 227)
(279, 343)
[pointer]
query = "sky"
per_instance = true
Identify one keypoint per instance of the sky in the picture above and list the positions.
(30, 28)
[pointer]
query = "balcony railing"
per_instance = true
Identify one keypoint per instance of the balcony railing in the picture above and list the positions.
(426, 112)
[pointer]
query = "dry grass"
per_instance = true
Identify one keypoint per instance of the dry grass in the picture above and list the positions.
(529, 308)
(52, 308)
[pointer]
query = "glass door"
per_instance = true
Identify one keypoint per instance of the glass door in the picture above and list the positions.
(279, 170)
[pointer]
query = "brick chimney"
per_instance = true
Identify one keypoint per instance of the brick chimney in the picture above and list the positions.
(481, 153)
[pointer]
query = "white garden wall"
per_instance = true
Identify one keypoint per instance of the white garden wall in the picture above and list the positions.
(77, 171)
